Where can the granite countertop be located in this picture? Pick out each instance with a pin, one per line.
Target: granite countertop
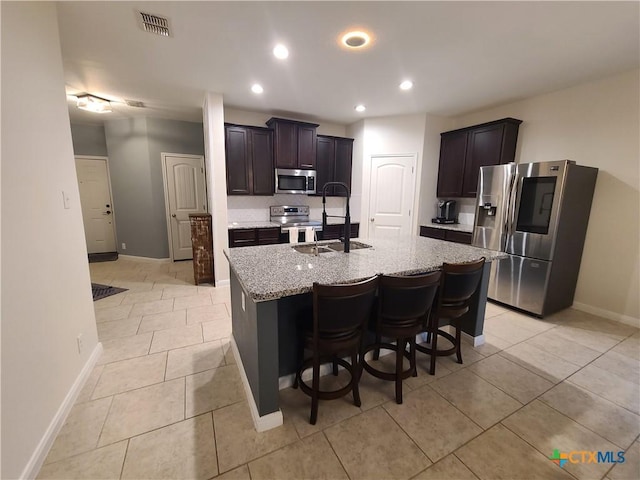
(458, 227)
(273, 271)
(266, 224)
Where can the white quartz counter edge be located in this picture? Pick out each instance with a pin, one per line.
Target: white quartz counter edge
(274, 271)
(457, 227)
(264, 224)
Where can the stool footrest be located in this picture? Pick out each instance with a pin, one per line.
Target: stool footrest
(379, 373)
(327, 394)
(440, 353)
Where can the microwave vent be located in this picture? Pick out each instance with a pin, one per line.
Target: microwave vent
(155, 24)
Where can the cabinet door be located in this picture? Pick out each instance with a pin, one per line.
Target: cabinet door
(245, 237)
(286, 145)
(453, 149)
(306, 147)
(344, 153)
(262, 155)
(458, 237)
(268, 236)
(325, 161)
(484, 148)
(237, 159)
(431, 232)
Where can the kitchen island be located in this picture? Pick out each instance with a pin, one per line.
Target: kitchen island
(271, 285)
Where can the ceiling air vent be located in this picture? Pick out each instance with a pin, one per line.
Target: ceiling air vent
(154, 24)
(134, 103)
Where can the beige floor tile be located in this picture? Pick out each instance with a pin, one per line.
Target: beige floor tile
(229, 358)
(123, 348)
(192, 301)
(508, 327)
(423, 363)
(492, 344)
(540, 362)
(371, 445)
(511, 378)
(195, 359)
(118, 328)
(102, 463)
(375, 391)
(446, 469)
(476, 398)
(149, 308)
(176, 291)
(216, 329)
(311, 457)
(163, 321)
(81, 430)
(90, 384)
(437, 427)
(494, 309)
(110, 314)
(595, 324)
(220, 294)
(136, 286)
(469, 356)
(605, 418)
(620, 365)
(296, 407)
(183, 450)
(564, 348)
(143, 410)
(238, 442)
(628, 470)
(240, 473)
(206, 313)
(213, 389)
(110, 301)
(547, 430)
(130, 374)
(594, 340)
(629, 347)
(619, 391)
(176, 338)
(500, 454)
(141, 297)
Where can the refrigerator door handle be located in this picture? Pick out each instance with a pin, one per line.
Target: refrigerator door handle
(509, 218)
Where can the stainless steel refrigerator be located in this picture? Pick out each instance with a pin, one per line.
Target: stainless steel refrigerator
(538, 214)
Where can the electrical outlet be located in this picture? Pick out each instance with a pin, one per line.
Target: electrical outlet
(66, 200)
(244, 306)
(80, 343)
(124, 246)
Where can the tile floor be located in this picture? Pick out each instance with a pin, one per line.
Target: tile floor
(166, 399)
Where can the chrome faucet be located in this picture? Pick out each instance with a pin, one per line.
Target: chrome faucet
(347, 216)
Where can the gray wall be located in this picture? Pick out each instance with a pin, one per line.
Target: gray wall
(88, 140)
(134, 149)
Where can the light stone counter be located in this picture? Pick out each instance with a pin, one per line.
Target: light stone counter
(274, 271)
(254, 224)
(456, 227)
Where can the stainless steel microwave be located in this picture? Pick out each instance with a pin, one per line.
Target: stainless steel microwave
(295, 181)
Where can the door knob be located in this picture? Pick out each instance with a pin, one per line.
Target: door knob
(173, 215)
(372, 219)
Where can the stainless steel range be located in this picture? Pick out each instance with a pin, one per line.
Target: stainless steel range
(292, 216)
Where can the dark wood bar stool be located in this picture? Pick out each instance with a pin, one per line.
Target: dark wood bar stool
(459, 282)
(403, 305)
(340, 315)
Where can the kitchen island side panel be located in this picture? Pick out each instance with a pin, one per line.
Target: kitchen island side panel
(257, 343)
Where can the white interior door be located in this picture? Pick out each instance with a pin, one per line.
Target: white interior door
(96, 204)
(185, 193)
(391, 195)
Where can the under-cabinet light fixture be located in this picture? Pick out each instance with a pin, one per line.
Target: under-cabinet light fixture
(94, 104)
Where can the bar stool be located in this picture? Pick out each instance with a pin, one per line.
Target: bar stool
(458, 285)
(340, 314)
(403, 305)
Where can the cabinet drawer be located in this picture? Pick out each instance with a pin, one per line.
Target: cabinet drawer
(458, 237)
(268, 236)
(431, 232)
(245, 237)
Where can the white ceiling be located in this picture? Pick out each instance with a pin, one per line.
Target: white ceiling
(461, 56)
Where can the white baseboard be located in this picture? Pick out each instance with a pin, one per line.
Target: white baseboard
(42, 450)
(616, 317)
(223, 283)
(144, 259)
(264, 422)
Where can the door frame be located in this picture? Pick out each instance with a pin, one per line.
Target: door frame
(163, 156)
(113, 210)
(412, 214)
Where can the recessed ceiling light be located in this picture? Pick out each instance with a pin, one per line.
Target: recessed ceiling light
(356, 39)
(257, 88)
(406, 85)
(360, 108)
(93, 104)
(280, 51)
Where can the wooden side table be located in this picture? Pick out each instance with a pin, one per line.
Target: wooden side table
(202, 243)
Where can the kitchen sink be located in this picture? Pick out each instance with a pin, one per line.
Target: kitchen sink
(339, 246)
(311, 249)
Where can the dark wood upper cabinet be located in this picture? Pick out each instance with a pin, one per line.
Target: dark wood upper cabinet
(294, 143)
(333, 163)
(464, 151)
(249, 159)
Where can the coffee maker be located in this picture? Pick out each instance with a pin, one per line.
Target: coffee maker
(446, 212)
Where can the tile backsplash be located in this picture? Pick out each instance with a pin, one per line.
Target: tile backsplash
(248, 208)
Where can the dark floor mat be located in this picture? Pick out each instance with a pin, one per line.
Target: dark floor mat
(103, 257)
(102, 291)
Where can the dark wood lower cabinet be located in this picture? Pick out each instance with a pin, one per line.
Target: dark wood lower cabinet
(448, 235)
(243, 237)
(268, 236)
(336, 231)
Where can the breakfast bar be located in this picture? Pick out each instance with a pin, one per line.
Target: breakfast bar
(272, 284)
